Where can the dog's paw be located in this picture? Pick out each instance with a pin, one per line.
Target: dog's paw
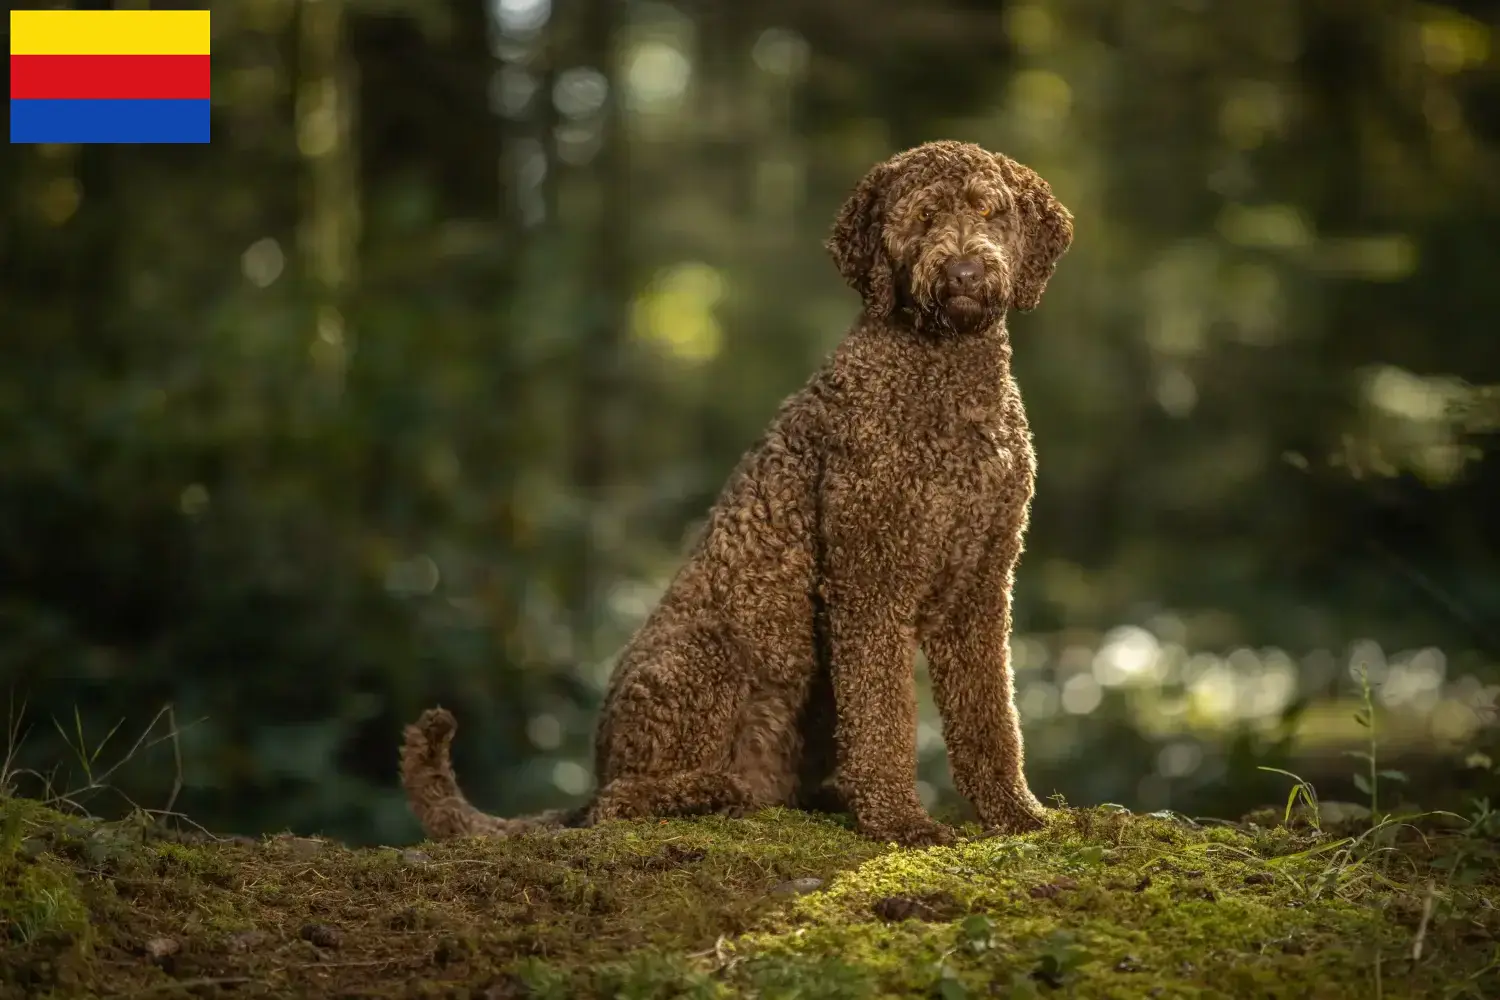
(735, 800)
(1023, 815)
(917, 831)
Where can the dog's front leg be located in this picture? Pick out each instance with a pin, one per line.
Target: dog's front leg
(968, 654)
(870, 591)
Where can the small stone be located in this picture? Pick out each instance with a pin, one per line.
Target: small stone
(299, 847)
(931, 907)
(1051, 889)
(797, 887)
(679, 855)
(450, 950)
(673, 856)
(895, 908)
(321, 935)
(243, 941)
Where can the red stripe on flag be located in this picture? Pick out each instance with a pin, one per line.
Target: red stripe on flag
(109, 77)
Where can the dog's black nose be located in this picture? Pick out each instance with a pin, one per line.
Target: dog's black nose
(964, 274)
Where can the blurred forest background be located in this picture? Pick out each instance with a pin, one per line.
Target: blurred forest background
(408, 388)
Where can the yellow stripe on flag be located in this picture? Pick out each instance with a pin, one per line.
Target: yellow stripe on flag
(109, 33)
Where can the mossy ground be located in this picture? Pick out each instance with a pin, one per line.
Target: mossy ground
(1101, 904)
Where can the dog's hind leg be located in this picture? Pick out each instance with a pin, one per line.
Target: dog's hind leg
(759, 769)
(689, 793)
(667, 732)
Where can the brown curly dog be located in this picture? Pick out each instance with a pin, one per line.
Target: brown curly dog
(884, 508)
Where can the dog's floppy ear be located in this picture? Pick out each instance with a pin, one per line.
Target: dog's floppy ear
(857, 242)
(1046, 227)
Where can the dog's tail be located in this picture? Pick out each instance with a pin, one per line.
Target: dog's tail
(434, 795)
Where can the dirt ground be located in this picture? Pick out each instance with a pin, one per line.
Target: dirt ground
(783, 905)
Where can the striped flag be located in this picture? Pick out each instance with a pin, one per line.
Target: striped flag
(109, 76)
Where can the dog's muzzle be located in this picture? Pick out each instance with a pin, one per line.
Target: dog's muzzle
(965, 291)
(964, 277)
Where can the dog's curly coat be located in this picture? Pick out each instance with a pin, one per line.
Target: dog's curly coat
(884, 507)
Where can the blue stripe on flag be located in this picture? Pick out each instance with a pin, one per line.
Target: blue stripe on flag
(110, 121)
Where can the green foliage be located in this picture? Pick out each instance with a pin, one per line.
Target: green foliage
(1302, 792)
(409, 386)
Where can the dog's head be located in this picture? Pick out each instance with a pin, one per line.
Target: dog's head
(953, 232)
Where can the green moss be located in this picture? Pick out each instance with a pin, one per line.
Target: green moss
(38, 894)
(1100, 904)
(40, 901)
(44, 922)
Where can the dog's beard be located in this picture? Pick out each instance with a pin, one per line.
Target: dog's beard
(942, 310)
(954, 314)
(965, 314)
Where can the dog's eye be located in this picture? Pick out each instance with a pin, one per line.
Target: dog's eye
(986, 210)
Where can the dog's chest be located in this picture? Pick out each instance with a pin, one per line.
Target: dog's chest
(985, 462)
(980, 486)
